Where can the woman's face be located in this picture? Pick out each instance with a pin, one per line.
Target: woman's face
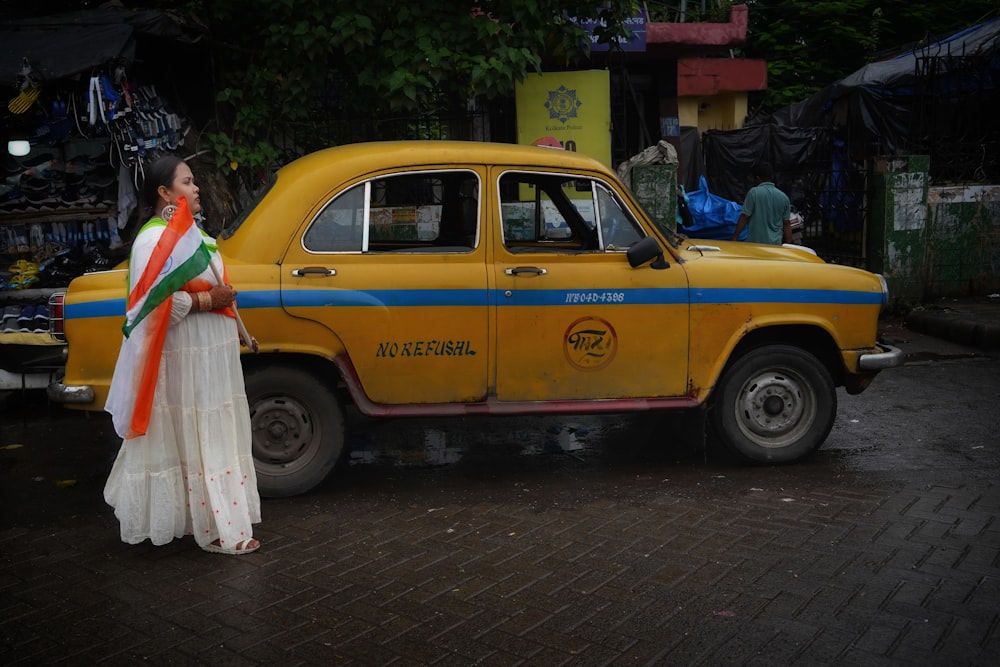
(183, 186)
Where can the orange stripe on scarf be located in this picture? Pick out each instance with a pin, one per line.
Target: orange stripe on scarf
(157, 322)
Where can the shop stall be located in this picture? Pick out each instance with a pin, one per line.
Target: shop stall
(85, 107)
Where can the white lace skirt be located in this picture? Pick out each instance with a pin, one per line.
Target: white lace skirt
(192, 473)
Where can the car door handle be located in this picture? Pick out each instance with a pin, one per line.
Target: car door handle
(314, 271)
(518, 270)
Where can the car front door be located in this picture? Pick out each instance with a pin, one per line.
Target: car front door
(574, 320)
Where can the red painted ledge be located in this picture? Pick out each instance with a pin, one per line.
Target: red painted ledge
(724, 35)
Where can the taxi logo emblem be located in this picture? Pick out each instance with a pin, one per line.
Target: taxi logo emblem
(590, 344)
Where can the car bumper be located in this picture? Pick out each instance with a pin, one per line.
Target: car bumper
(65, 393)
(889, 357)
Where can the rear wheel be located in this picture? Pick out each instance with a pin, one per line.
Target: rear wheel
(774, 405)
(298, 430)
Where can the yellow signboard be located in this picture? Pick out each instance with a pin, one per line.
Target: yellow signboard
(572, 107)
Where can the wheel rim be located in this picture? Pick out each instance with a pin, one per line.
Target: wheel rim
(775, 408)
(285, 437)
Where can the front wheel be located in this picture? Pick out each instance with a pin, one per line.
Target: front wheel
(298, 430)
(774, 405)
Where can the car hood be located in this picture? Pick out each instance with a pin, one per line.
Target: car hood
(696, 248)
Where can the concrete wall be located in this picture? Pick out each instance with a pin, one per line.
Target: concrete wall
(930, 240)
(724, 111)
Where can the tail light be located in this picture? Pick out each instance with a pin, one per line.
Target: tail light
(57, 316)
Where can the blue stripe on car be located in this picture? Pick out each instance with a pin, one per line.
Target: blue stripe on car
(760, 295)
(472, 298)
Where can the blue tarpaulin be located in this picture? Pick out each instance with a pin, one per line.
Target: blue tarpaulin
(713, 217)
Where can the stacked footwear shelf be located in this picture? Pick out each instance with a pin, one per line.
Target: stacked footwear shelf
(57, 221)
(29, 357)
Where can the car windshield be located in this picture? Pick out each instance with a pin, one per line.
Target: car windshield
(235, 224)
(673, 236)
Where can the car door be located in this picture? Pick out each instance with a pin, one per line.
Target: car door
(394, 268)
(574, 320)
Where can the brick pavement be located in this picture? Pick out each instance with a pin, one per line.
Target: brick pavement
(519, 571)
(593, 558)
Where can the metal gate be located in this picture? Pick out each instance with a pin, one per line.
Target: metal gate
(833, 201)
(825, 183)
(956, 98)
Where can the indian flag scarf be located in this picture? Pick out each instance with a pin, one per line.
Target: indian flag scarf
(179, 256)
(175, 263)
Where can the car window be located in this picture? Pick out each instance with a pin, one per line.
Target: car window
(562, 213)
(434, 212)
(618, 229)
(340, 227)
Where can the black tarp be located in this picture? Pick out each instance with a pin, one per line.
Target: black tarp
(877, 102)
(692, 163)
(64, 45)
(793, 152)
(900, 73)
(812, 144)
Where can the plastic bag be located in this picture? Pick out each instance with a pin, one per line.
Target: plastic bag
(712, 216)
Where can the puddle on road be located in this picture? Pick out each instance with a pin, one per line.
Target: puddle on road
(437, 447)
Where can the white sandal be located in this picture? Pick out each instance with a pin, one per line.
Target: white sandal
(242, 547)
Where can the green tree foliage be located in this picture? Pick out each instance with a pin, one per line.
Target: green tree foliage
(695, 11)
(282, 62)
(809, 45)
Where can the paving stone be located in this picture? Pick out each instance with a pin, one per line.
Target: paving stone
(595, 563)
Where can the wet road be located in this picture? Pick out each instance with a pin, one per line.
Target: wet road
(583, 540)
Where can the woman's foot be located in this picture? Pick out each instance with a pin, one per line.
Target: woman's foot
(242, 547)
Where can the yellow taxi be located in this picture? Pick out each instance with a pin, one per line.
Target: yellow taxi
(459, 278)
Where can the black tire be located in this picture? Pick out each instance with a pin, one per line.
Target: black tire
(298, 430)
(775, 404)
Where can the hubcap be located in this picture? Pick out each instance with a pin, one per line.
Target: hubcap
(774, 408)
(282, 431)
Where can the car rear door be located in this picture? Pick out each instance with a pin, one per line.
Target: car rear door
(393, 266)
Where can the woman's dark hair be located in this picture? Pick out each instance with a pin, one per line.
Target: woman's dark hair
(161, 172)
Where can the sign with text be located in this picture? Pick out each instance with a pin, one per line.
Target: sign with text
(572, 107)
(635, 42)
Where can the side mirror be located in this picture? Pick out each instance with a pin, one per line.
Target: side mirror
(647, 249)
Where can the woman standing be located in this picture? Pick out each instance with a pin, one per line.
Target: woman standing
(178, 398)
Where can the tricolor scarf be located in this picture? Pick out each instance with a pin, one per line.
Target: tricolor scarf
(178, 259)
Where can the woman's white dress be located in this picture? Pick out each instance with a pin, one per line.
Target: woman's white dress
(192, 472)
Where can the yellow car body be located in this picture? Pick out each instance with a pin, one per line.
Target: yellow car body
(439, 278)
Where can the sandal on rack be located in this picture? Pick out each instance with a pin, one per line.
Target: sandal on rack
(242, 547)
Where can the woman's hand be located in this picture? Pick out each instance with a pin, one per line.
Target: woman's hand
(222, 296)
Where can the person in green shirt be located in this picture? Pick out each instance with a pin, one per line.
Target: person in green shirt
(766, 209)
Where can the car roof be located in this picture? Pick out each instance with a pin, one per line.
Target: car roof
(303, 182)
(370, 156)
